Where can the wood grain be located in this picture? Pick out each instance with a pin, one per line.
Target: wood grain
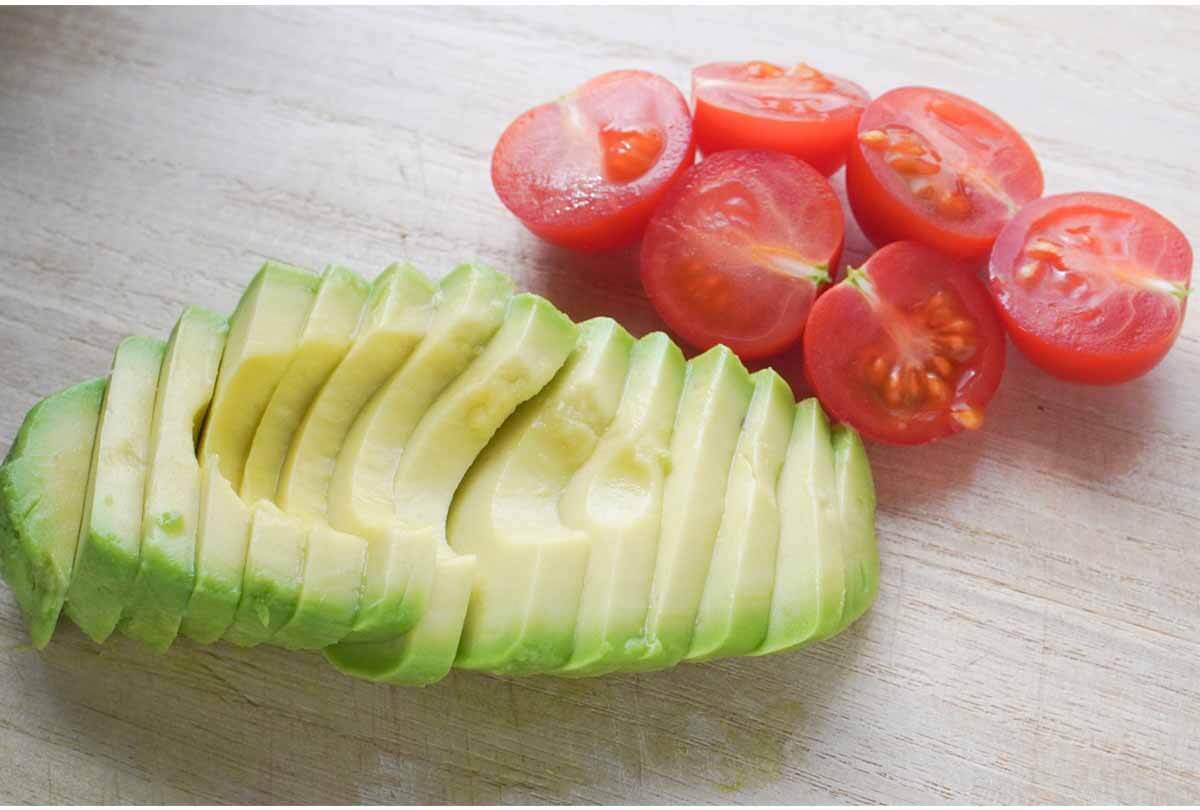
(1037, 634)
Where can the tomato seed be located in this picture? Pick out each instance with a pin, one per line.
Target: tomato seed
(968, 417)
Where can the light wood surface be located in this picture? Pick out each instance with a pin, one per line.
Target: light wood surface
(1037, 633)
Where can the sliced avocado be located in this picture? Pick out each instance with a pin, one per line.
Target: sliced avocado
(716, 395)
(529, 569)
(171, 506)
(806, 601)
(222, 533)
(616, 497)
(42, 486)
(263, 334)
(273, 576)
(469, 307)
(531, 345)
(856, 503)
(326, 337)
(393, 322)
(736, 605)
(110, 537)
(331, 590)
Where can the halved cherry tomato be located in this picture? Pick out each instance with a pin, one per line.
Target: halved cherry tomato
(585, 171)
(908, 348)
(1092, 287)
(757, 105)
(939, 169)
(737, 249)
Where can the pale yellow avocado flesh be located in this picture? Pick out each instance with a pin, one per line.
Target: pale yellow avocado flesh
(324, 340)
(264, 332)
(736, 605)
(530, 566)
(713, 406)
(616, 498)
(469, 307)
(110, 537)
(394, 321)
(531, 345)
(171, 506)
(808, 594)
(222, 533)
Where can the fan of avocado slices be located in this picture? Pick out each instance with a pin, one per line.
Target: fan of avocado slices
(412, 476)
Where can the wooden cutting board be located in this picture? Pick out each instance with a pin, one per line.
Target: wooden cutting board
(1037, 634)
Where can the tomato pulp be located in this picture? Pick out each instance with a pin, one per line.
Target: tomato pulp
(939, 169)
(1092, 287)
(908, 348)
(585, 171)
(738, 248)
(757, 105)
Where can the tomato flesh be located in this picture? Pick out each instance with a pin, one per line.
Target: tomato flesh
(585, 172)
(908, 348)
(1092, 287)
(757, 105)
(738, 248)
(937, 168)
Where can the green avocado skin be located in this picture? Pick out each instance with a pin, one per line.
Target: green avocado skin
(42, 487)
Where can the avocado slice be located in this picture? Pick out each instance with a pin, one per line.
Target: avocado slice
(263, 334)
(716, 395)
(529, 569)
(110, 537)
(856, 503)
(330, 593)
(616, 498)
(273, 575)
(469, 307)
(531, 345)
(42, 486)
(222, 533)
(171, 506)
(393, 322)
(326, 337)
(736, 605)
(809, 590)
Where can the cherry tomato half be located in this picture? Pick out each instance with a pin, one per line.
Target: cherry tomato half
(585, 171)
(1092, 287)
(908, 348)
(939, 169)
(737, 249)
(757, 105)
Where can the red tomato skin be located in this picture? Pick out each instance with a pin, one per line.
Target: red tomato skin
(841, 316)
(1083, 364)
(885, 217)
(584, 229)
(675, 314)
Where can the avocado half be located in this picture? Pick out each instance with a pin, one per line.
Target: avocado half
(412, 476)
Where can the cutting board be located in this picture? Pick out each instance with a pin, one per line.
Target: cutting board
(1037, 633)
